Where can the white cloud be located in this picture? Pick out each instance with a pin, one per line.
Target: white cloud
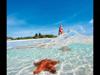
(91, 21)
(82, 29)
(21, 33)
(11, 20)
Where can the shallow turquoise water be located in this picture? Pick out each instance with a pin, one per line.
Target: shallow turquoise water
(77, 61)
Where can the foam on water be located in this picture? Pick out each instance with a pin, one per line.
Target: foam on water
(78, 60)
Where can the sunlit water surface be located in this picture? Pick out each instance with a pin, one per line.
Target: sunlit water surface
(76, 61)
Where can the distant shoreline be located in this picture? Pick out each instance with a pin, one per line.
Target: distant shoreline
(36, 36)
(69, 40)
(27, 39)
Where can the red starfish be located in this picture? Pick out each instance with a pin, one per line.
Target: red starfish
(45, 65)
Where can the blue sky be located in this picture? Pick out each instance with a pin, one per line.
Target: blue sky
(27, 17)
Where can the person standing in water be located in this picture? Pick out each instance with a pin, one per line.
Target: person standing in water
(60, 30)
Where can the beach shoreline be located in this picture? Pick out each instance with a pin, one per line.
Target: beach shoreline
(58, 41)
(27, 40)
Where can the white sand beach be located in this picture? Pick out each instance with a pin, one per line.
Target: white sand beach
(59, 41)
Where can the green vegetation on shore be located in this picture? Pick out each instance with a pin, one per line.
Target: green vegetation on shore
(36, 36)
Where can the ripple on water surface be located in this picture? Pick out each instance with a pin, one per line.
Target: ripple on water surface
(77, 61)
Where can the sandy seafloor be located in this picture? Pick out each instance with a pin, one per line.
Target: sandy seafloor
(75, 54)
